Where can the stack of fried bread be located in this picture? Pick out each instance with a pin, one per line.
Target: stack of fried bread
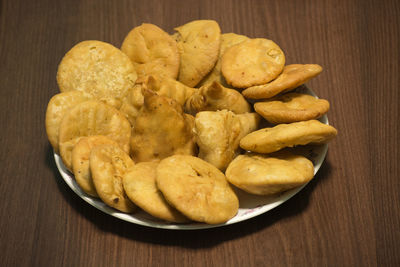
(171, 124)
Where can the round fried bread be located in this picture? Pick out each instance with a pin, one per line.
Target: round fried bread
(92, 118)
(140, 186)
(56, 109)
(97, 68)
(253, 62)
(269, 140)
(80, 161)
(108, 164)
(292, 107)
(198, 44)
(197, 189)
(152, 51)
(227, 40)
(269, 174)
(291, 77)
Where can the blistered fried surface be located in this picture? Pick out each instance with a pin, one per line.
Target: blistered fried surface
(291, 77)
(152, 51)
(108, 164)
(161, 130)
(252, 62)
(56, 108)
(198, 44)
(218, 135)
(80, 161)
(272, 139)
(197, 189)
(269, 174)
(97, 68)
(92, 118)
(227, 40)
(292, 107)
(213, 97)
(140, 186)
(171, 88)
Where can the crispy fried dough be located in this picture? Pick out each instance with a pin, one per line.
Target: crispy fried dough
(56, 108)
(269, 174)
(92, 118)
(140, 186)
(134, 100)
(227, 40)
(252, 62)
(197, 189)
(161, 129)
(152, 51)
(198, 44)
(269, 140)
(80, 161)
(291, 77)
(97, 68)
(292, 107)
(108, 164)
(218, 134)
(213, 96)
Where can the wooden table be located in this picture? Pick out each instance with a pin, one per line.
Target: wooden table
(347, 216)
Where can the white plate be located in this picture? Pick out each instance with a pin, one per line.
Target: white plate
(250, 205)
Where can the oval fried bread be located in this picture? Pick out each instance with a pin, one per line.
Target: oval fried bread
(92, 118)
(97, 68)
(152, 51)
(108, 164)
(80, 161)
(252, 62)
(292, 107)
(291, 77)
(272, 139)
(227, 40)
(56, 108)
(269, 174)
(198, 44)
(197, 189)
(140, 186)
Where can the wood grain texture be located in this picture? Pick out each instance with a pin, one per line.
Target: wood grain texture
(349, 215)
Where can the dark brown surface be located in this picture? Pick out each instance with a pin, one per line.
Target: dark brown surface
(347, 216)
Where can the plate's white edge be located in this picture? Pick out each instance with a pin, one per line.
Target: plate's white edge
(68, 178)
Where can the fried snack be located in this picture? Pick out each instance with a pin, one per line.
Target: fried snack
(92, 118)
(108, 164)
(152, 51)
(132, 103)
(253, 62)
(140, 186)
(269, 174)
(227, 40)
(66, 148)
(269, 140)
(80, 161)
(170, 88)
(291, 77)
(197, 189)
(218, 134)
(198, 44)
(161, 129)
(56, 108)
(292, 107)
(97, 68)
(213, 97)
